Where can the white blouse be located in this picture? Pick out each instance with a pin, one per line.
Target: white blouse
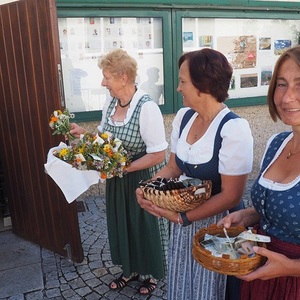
(270, 184)
(236, 153)
(152, 127)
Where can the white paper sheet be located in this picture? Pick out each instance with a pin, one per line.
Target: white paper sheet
(71, 181)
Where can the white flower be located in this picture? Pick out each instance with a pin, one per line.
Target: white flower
(98, 140)
(118, 144)
(80, 157)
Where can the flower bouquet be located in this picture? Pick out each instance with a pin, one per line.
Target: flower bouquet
(101, 152)
(60, 123)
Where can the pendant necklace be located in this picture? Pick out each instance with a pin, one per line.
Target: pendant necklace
(119, 102)
(290, 151)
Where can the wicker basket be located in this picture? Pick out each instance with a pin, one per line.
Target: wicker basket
(179, 200)
(224, 265)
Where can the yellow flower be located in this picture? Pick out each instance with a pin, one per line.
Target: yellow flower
(81, 150)
(63, 152)
(106, 148)
(104, 135)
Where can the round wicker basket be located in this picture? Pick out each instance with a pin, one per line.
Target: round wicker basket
(224, 265)
(179, 200)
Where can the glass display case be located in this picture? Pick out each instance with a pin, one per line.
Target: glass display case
(84, 40)
(250, 35)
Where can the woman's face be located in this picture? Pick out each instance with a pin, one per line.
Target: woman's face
(185, 85)
(287, 93)
(112, 83)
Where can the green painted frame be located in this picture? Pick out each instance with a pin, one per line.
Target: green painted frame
(180, 3)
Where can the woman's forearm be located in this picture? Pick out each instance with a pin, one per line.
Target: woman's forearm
(147, 161)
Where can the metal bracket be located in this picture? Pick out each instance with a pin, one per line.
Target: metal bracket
(69, 251)
(61, 86)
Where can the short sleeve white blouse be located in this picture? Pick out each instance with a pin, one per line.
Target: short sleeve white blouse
(151, 122)
(236, 153)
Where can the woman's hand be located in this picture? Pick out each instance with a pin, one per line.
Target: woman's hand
(76, 130)
(244, 217)
(154, 209)
(144, 203)
(231, 220)
(277, 265)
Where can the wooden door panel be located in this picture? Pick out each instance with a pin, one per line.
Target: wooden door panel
(29, 93)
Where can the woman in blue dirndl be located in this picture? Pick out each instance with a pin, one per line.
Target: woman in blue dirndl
(208, 142)
(276, 193)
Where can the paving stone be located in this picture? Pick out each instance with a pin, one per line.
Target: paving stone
(52, 284)
(83, 291)
(17, 297)
(51, 293)
(34, 296)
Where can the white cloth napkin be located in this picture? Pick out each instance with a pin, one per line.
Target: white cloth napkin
(71, 181)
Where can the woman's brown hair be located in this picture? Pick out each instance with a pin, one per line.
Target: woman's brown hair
(292, 53)
(210, 72)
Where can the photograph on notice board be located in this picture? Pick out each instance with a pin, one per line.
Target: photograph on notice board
(249, 80)
(264, 43)
(188, 39)
(281, 45)
(266, 74)
(239, 50)
(232, 83)
(206, 41)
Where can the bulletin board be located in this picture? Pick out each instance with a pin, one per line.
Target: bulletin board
(252, 47)
(84, 39)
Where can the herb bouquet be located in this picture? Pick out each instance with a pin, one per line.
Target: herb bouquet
(60, 123)
(101, 152)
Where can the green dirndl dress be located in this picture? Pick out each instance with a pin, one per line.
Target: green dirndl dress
(138, 241)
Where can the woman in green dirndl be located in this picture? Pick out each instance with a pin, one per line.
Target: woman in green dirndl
(138, 240)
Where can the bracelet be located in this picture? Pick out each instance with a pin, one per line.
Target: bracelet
(178, 219)
(185, 220)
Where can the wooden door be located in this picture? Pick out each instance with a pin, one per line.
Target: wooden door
(29, 93)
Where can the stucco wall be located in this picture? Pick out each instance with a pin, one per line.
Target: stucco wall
(261, 124)
(262, 127)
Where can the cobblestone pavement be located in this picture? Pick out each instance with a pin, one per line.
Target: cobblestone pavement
(89, 280)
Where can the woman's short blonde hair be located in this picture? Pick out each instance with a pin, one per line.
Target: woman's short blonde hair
(118, 62)
(292, 53)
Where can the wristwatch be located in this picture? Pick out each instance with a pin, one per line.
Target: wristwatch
(125, 172)
(185, 220)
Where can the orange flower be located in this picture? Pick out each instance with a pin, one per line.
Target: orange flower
(53, 119)
(103, 176)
